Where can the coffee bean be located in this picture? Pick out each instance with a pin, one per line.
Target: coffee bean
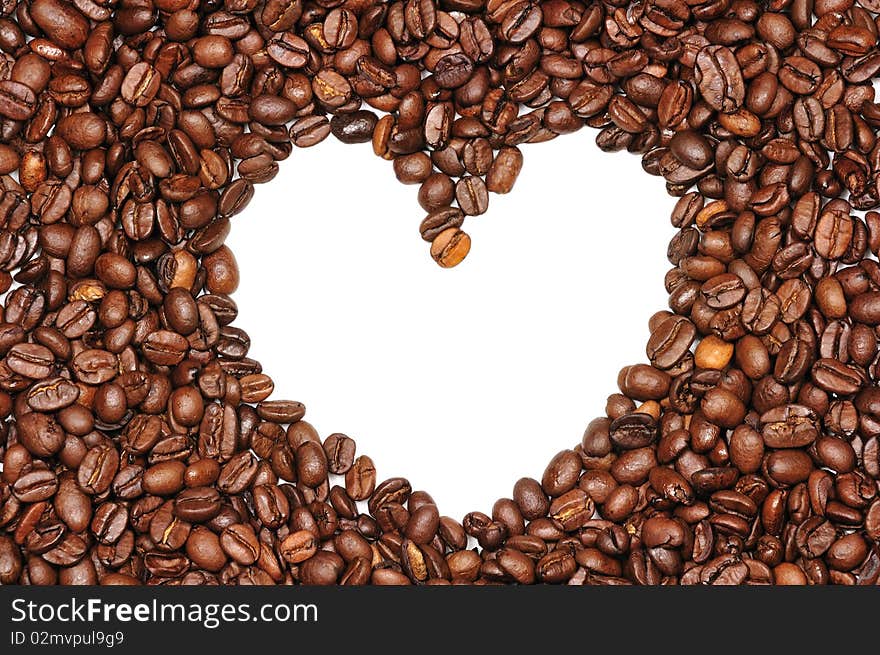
(311, 464)
(167, 531)
(324, 568)
(197, 504)
(723, 407)
(561, 474)
(472, 195)
(95, 366)
(83, 130)
(109, 522)
(240, 543)
(504, 170)
(271, 110)
(633, 430)
(52, 394)
(281, 411)
(35, 485)
(238, 473)
(439, 221)
(719, 78)
(203, 548)
(299, 546)
(788, 466)
(40, 434)
(30, 360)
(288, 50)
(17, 101)
(671, 341)
(836, 377)
(723, 291)
(97, 469)
(141, 84)
(164, 478)
(453, 70)
(865, 308)
(164, 347)
(799, 75)
(61, 22)
(450, 247)
(354, 127)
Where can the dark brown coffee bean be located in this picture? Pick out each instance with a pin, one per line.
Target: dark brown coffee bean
(17, 101)
(271, 110)
(288, 50)
(61, 22)
(634, 430)
(95, 366)
(670, 342)
(97, 469)
(299, 546)
(167, 531)
(788, 467)
(723, 291)
(340, 452)
(561, 474)
(309, 131)
(35, 485)
(40, 434)
(197, 504)
(52, 395)
(141, 84)
(453, 70)
(504, 170)
(472, 195)
(719, 78)
(354, 127)
(836, 377)
(165, 347)
(439, 221)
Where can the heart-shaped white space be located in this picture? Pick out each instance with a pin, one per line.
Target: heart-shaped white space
(461, 380)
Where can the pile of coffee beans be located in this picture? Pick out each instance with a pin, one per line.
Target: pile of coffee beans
(140, 443)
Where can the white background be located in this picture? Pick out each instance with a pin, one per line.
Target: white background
(461, 380)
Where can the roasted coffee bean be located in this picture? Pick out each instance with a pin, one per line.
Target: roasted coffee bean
(440, 220)
(354, 127)
(723, 291)
(791, 426)
(472, 195)
(450, 247)
(453, 70)
(35, 485)
(719, 78)
(51, 395)
(309, 131)
(288, 50)
(299, 546)
(197, 504)
(634, 430)
(40, 434)
(203, 549)
(670, 342)
(61, 22)
(340, 453)
(17, 101)
(97, 469)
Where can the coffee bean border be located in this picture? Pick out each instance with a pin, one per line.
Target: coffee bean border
(140, 444)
